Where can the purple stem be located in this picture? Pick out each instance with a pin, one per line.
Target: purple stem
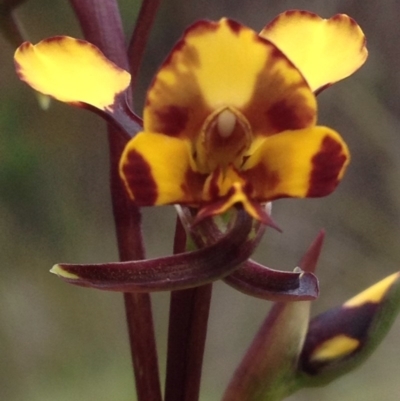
(101, 24)
(189, 310)
(137, 305)
(11, 27)
(140, 36)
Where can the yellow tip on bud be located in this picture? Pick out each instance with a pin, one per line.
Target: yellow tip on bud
(373, 294)
(59, 271)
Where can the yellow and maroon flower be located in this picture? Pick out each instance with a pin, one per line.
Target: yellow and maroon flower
(229, 118)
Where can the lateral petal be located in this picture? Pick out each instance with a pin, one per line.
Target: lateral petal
(298, 164)
(324, 50)
(224, 63)
(72, 71)
(156, 171)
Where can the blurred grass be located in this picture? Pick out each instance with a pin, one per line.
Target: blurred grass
(61, 342)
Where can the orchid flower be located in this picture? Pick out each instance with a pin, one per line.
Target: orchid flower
(231, 115)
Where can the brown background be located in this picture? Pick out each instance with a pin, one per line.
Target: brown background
(59, 342)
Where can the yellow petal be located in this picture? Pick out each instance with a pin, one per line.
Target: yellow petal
(225, 64)
(156, 171)
(303, 163)
(373, 294)
(71, 70)
(324, 50)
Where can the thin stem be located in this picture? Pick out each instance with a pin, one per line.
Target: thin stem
(189, 311)
(126, 215)
(142, 345)
(11, 28)
(137, 306)
(140, 36)
(101, 24)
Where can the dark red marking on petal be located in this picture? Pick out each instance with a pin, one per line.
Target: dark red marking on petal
(234, 26)
(214, 187)
(327, 164)
(172, 120)
(352, 23)
(61, 38)
(24, 45)
(84, 43)
(193, 186)
(140, 181)
(18, 68)
(322, 88)
(302, 12)
(277, 105)
(202, 26)
(289, 13)
(197, 28)
(178, 46)
(258, 178)
(284, 116)
(191, 54)
(276, 53)
(339, 17)
(212, 208)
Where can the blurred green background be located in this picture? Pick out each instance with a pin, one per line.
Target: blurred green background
(59, 342)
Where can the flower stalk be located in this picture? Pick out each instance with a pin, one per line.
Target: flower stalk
(140, 36)
(189, 311)
(101, 24)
